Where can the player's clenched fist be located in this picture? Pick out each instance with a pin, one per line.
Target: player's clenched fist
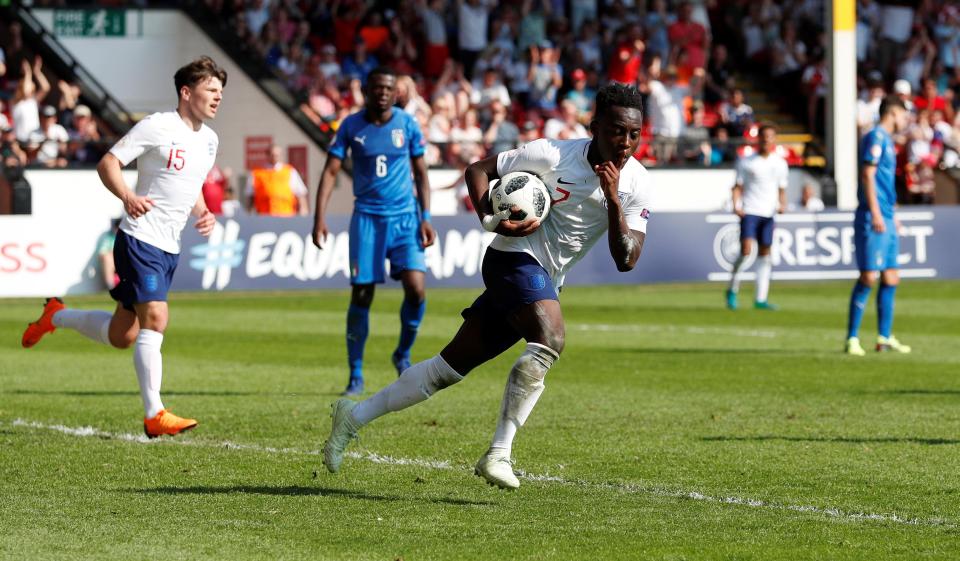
(427, 234)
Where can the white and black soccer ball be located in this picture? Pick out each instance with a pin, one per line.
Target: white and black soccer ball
(523, 190)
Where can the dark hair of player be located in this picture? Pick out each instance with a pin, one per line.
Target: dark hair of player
(766, 126)
(198, 71)
(381, 71)
(889, 103)
(616, 94)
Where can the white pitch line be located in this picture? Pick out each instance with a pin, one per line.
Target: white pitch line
(659, 328)
(631, 488)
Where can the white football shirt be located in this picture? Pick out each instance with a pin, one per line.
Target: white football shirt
(578, 216)
(172, 162)
(762, 178)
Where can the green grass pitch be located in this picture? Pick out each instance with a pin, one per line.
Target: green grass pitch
(670, 428)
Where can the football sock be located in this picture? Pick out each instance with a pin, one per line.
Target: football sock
(416, 384)
(524, 386)
(358, 326)
(735, 275)
(411, 313)
(885, 308)
(92, 324)
(858, 302)
(764, 270)
(149, 366)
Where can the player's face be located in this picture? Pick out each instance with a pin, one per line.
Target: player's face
(203, 99)
(900, 118)
(381, 92)
(617, 134)
(767, 140)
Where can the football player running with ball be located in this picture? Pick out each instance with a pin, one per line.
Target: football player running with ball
(174, 152)
(598, 188)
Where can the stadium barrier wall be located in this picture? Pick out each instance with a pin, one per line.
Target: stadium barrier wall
(53, 251)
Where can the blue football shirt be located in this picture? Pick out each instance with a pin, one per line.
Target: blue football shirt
(382, 170)
(877, 149)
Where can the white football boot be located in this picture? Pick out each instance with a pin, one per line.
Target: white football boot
(343, 430)
(497, 469)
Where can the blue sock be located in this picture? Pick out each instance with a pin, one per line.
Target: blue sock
(858, 303)
(410, 315)
(358, 326)
(885, 308)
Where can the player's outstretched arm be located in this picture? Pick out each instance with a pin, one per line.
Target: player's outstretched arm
(625, 244)
(478, 176)
(111, 175)
(422, 180)
(328, 178)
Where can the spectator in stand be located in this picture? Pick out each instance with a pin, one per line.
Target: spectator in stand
(85, 146)
(918, 57)
(437, 52)
(581, 96)
(754, 35)
(666, 112)
(947, 33)
(736, 115)
(868, 29)
(11, 154)
(533, 23)
(440, 125)
(903, 90)
(277, 189)
(467, 138)
(690, 36)
(346, 21)
(657, 23)
(719, 77)
(399, 50)
(453, 84)
(930, 99)
(502, 134)
(815, 80)
(472, 21)
(694, 142)
(409, 98)
(868, 108)
(373, 32)
(360, 63)
(69, 98)
(328, 67)
(809, 201)
(488, 89)
(721, 149)
(26, 100)
(4, 121)
(323, 99)
(50, 140)
(545, 76)
(566, 125)
(257, 16)
(215, 188)
(896, 23)
(627, 61)
(589, 49)
(529, 132)
(582, 11)
(518, 77)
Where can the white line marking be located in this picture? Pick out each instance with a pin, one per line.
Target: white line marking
(805, 217)
(631, 488)
(659, 328)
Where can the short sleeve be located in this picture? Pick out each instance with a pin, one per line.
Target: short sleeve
(636, 207)
(417, 143)
(339, 147)
(142, 137)
(538, 157)
(872, 148)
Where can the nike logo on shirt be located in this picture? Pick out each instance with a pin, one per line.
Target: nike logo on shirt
(562, 182)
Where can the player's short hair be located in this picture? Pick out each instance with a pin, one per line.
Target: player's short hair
(198, 71)
(616, 94)
(889, 102)
(765, 126)
(381, 71)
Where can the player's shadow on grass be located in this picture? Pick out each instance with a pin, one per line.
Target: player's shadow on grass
(299, 490)
(837, 439)
(919, 392)
(128, 393)
(700, 351)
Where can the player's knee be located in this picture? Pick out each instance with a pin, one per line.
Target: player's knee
(868, 278)
(891, 278)
(555, 340)
(123, 340)
(763, 251)
(362, 296)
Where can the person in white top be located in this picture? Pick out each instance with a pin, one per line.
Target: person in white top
(174, 153)
(759, 193)
(599, 191)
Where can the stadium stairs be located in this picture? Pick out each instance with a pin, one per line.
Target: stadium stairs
(58, 61)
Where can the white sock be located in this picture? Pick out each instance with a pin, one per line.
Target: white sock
(524, 386)
(416, 384)
(149, 365)
(92, 324)
(764, 270)
(735, 275)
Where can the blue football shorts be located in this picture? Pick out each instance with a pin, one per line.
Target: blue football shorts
(375, 238)
(145, 271)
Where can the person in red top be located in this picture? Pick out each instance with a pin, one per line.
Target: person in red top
(214, 188)
(931, 100)
(686, 34)
(627, 60)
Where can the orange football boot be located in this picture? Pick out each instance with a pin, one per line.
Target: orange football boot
(36, 330)
(166, 423)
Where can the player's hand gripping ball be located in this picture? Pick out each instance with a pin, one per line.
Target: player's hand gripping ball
(524, 191)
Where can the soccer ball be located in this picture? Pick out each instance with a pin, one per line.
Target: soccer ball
(523, 190)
